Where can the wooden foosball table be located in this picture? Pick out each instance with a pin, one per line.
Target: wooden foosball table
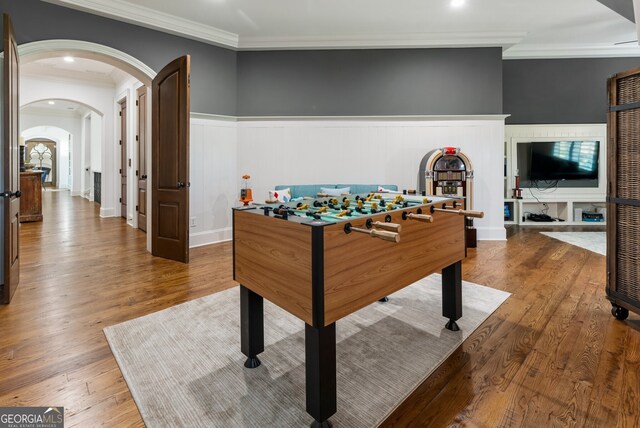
(325, 258)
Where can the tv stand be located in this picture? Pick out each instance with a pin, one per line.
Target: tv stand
(560, 212)
(560, 202)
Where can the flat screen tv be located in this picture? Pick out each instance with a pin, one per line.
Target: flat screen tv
(564, 160)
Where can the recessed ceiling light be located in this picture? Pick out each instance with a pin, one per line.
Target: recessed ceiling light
(70, 58)
(51, 102)
(457, 3)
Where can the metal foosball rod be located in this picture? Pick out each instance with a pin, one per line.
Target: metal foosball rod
(374, 233)
(379, 205)
(321, 215)
(324, 210)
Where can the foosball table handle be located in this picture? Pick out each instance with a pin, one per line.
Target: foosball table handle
(466, 213)
(392, 227)
(385, 235)
(420, 217)
(374, 233)
(472, 213)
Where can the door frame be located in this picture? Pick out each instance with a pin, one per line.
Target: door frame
(146, 115)
(123, 137)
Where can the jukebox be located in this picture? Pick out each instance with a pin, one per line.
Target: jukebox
(448, 172)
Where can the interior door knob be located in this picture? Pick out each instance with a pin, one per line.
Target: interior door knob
(10, 194)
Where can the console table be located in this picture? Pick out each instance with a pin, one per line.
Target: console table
(31, 198)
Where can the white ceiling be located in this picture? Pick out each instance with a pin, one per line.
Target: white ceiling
(523, 28)
(83, 69)
(58, 108)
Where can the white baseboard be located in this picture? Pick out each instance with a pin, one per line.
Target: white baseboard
(75, 193)
(107, 212)
(210, 237)
(492, 234)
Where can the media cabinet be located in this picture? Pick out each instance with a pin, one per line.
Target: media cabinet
(564, 210)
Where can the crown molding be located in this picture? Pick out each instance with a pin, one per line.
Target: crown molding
(509, 41)
(570, 51)
(149, 18)
(391, 41)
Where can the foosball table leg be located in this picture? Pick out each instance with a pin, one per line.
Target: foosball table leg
(452, 294)
(251, 326)
(320, 366)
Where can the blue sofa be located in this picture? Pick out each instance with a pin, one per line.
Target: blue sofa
(311, 190)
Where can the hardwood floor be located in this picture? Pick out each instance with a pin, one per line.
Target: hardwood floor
(551, 355)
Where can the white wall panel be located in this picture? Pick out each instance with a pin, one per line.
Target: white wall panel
(214, 179)
(372, 151)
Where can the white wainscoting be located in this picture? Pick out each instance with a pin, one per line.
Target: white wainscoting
(214, 178)
(385, 150)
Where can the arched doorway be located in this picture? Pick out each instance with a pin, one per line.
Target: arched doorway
(111, 161)
(64, 123)
(61, 47)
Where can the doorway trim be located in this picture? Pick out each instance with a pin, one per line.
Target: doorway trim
(34, 51)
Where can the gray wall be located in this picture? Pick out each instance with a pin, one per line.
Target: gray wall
(347, 82)
(213, 69)
(370, 82)
(538, 91)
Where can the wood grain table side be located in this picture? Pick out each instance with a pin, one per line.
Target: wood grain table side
(273, 259)
(360, 270)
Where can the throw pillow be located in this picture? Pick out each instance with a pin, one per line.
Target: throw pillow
(282, 195)
(383, 190)
(335, 192)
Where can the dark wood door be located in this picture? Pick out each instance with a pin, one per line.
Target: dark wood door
(11, 167)
(141, 140)
(170, 159)
(123, 158)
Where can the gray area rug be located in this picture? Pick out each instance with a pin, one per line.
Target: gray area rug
(184, 367)
(592, 241)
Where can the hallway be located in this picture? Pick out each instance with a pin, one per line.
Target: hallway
(80, 273)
